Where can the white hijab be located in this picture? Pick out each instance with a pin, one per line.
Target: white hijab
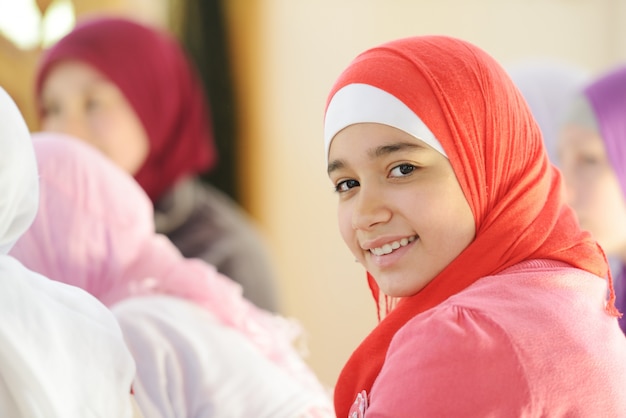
(62, 353)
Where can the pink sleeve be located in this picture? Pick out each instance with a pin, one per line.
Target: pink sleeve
(452, 363)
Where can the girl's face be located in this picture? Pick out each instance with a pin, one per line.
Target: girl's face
(79, 101)
(592, 187)
(402, 212)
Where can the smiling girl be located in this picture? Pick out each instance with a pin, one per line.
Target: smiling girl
(447, 198)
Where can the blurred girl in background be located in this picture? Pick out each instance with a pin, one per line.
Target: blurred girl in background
(592, 157)
(130, 91)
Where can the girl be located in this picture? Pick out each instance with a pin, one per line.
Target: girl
(447, 198)
(130, 91)
(592, 156)
(201, 349)
(61, 352)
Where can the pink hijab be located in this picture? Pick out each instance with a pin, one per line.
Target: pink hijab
(155, 76)
(95, 230)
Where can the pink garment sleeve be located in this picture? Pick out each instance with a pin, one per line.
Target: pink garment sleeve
(456, 363)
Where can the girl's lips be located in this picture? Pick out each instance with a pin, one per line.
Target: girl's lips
(392, 246)
(386, 260)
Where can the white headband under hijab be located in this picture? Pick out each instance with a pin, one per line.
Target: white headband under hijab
(362, 103)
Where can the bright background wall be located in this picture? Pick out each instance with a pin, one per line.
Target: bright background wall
(286, 55)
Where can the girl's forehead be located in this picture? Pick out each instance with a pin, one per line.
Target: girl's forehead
(75, 69)
(575, 136)
(580, 113)
(375, 139)
(369, 143)
(72, 77)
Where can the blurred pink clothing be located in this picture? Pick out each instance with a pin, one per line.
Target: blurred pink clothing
(95, 230)
(531, 341)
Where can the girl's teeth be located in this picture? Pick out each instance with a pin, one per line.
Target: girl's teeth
(389, 248)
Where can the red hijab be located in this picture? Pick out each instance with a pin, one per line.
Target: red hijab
(496, 150)
(152, 71)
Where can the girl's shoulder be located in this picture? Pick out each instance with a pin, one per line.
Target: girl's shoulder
(451, 361)
(542, 284)
(521, 302)
(485, 351)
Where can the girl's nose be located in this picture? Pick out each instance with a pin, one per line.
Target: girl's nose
(370, 209)
(568, 193)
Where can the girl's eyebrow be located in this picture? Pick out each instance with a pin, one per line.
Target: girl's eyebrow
(391, 148)
(335, 165)
(98, 84)
(379, 152)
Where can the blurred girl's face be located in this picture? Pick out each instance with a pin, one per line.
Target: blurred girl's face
(79, 101)
(402, 211)
(592, 187)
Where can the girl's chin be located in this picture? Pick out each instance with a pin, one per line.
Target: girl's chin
(390, 286)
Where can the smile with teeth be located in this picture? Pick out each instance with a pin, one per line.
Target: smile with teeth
(392, 246)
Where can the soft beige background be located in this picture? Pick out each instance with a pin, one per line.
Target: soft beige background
(286, 55)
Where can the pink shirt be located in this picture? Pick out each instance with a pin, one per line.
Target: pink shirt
(531, 341)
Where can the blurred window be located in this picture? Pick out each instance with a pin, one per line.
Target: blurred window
(26, 25)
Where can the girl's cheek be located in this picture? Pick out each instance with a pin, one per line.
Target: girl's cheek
(345, 224)
(97, 123)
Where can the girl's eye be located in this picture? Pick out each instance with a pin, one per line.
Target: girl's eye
(346, 185)
(588, 160)
(92, 104)
(402, 170)
(50, 110)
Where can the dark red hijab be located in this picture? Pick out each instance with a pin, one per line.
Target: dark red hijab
(156, 77)
(497, 153)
